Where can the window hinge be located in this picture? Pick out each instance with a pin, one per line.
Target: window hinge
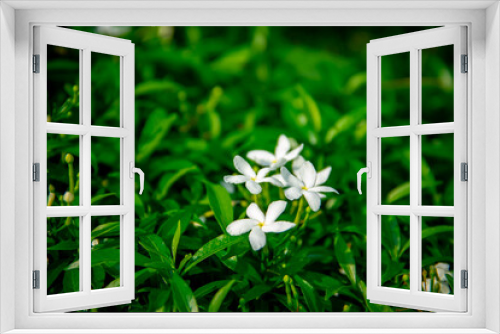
(464, 171)
(36, 172)
(465, 64)
(36, 279)
(465, 279)
(36, 63)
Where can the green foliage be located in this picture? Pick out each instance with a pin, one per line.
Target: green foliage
(206, 94)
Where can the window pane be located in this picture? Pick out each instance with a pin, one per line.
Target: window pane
(437, 254)
(105, 80)
(63, 169)
(437, 84)
(63, 248)
(437, 169)
(395, 170)
(105, 156)
(395, 94)
(63, 82)
(395, 251)
(105, 252)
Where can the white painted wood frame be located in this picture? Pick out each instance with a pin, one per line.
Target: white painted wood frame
(17, 19)
(86, 43)
(413, 43)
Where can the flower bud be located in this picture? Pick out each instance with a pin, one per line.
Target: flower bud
(69, 158)
(68, 197)
(286, 279)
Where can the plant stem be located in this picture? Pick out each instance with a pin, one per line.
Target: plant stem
(282, 193)
(306, 219)
(299, 210)
(266, 193)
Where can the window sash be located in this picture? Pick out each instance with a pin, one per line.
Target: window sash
(413, 43)
(86, 297)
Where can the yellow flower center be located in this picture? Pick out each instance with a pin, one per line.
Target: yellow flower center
(274, 161)
(254, 178)
(305, 188)
(260, 225)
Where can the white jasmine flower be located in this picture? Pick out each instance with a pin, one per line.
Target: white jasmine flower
(307, 183)
(259, 224)
(297, 164)
(249, 177)
(281, 156)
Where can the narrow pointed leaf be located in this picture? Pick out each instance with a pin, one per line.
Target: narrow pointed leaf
(219, 297)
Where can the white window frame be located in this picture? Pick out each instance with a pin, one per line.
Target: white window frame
(413, 44)
(483, 21)
(86, 44)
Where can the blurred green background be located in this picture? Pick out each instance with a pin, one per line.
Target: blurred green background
(206, 94)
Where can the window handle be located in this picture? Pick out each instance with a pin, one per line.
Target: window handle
(134, 170)
(368, 171)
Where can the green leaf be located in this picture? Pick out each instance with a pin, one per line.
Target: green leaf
(391, 236)
(156, 87)
(220, 203)
(427, 232)
(256, 292)
(157, 249)
(312, 108)
(169, 179)
(213, 247)
(183, 295)
(106, 230)
(312, 299)
(175, 240)
(107, 256)
(64, 245)
(209, 288)
(98, 198)
(345, 258)
(71, 281)
(398, 192)
(219, 297)
(97, 277)
(322, 281)
(157, 126)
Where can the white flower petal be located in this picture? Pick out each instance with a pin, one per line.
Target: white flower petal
(294, 153)
(283, 147)
(323, 189)
(297, 164)
(290, 179)
(241, 226)
(243, 167)
(261, 174)
(313, 200)
(257, 238)
(228, 186)
(279, 163)
(253, 187)
(275, 180)
(322, 176)
(263, 158)
(293, 193)
(274, 210)
(308, 174)
(321, 195)
(236, 179)
(278, 227)
(254, 212)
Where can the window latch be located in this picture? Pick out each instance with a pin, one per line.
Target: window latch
(368, 171)
(134, 170)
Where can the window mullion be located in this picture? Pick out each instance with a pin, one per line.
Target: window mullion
(85, 177)
(414, 170)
